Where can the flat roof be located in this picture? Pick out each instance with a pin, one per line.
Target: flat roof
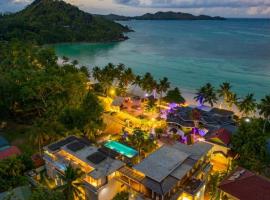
(101, 169)
(161, 163)
(175, 160)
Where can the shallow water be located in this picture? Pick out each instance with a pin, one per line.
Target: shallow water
(190, 53)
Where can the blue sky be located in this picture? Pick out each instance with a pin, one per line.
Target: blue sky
(226, 8)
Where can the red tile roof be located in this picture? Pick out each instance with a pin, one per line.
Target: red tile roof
(13, 150)
(37, 160)
(222, 134)
(248, 186)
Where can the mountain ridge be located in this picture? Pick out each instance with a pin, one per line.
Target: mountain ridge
(169, 15)
(55, 21)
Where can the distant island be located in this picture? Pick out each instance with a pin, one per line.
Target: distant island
(49, 21)
(162, 16)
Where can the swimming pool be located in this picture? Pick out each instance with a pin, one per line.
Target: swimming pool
(121, 148)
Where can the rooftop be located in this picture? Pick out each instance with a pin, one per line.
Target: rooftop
(220, 136)
(174, 160)
(162, 162)
(103, 165)
(10, 151)
(244, 184)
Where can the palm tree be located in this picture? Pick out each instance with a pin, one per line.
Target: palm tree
(65, 59)
(264, 109)
(148, 83)
(206, 94)
(138, 139)
(126, 78)
(73, 185)
(137, 81)
(231, 100)
(224, 91)
(247, 105)
(96, 73)
(39, 135)
(162, 87)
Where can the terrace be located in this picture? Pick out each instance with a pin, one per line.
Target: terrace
(73, 151)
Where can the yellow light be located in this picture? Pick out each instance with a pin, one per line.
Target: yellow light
(112, 92)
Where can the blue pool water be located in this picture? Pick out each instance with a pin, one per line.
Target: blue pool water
(122, 149)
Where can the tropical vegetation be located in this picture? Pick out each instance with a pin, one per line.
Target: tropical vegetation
(47, 98)
(73, 187)
(250, 142)
(49, 21)
(43, 193)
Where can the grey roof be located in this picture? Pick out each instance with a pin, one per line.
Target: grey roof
(196, 150)
(161, 188)
(174, 160)
(222, 112)
(161, 163)
(102, 169)
(183, 169)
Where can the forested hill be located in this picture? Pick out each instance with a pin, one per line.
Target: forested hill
(55, 21)
(164, 16)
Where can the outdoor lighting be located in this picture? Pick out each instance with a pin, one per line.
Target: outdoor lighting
(146, 95)
(112, 91)
(201, 139)
(247, 120)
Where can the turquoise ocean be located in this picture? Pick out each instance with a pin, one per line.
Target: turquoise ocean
(189, 53)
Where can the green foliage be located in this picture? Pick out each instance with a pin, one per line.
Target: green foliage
(212, 184)
(49, 98)
(151, 105)
(111, 74)
(86, 118)
(247, 105)
(207, 94)
(73, 186)
(11, 173)
(121, 196)
(250, 143)
(148, 83)
(163, 86)
(141, 141)
(264, 110)
(42, 193)
(174, 96)
(264, 107)
(49, 21)
(32, 85)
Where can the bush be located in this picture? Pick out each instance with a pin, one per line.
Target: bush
(121, 196)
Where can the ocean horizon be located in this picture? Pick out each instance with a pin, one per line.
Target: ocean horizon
(189, 53)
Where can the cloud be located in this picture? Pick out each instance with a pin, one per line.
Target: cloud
(196, 3)
(12, 5)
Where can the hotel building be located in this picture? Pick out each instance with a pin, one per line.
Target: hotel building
(175, 172)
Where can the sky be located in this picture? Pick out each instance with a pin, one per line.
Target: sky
(225, 8)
